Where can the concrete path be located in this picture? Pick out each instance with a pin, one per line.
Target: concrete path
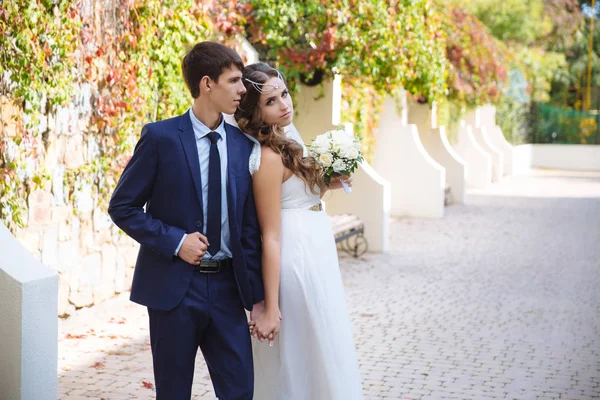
(500, 299)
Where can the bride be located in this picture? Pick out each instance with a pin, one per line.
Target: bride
(305, 319)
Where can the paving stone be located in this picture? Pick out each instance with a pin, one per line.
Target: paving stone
(497, 300)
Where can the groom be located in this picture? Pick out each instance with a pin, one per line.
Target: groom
(186, 197)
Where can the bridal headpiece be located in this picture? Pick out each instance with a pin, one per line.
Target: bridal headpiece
(266, 88)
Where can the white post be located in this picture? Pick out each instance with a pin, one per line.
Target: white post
(522, 159)
(479, 162)
(496, 137)
(499, 141)
(317, 111)
(481, 136)
(437, 145)
(417, 179)
(29, 327)
(370, 201)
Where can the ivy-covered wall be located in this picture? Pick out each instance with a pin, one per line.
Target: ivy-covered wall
(77, 82)
(78, 79)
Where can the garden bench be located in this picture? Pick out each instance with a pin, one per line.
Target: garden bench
(348, 231)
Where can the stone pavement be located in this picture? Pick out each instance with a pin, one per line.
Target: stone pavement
(500, 299)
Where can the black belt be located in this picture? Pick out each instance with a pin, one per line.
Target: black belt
(214, 266)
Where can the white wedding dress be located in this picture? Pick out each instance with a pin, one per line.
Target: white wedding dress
(313, 357)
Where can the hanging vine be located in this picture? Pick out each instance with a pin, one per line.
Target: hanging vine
(38, 45)
(127, 53)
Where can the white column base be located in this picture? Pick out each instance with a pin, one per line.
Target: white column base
(370, 201)
(481, 135)
(499, 142)
(479, 162)
(29, 327)
(417, 180)
(437, 145)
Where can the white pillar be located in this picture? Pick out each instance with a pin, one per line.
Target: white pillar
(29, 327)
(417, 179)
(479, 162)
(499, 141)
(436, 144)
(477, 119)
(496, 137)
(370, 201)
(522, 159)
(482, 138)
(317, 111)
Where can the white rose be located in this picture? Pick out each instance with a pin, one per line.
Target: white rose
(341, 140)
(351, 153)
(339, 165)
(325, 159)
(340, 136)
(322, 150)
(321, 141)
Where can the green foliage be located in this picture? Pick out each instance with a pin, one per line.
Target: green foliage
(38, 40)
(550, 24)
(478, 60)
(558, 125)
(539, 68)
(521, 21)
(167, 37)
(132, 63)
(376, 46)
(386, 44)
(37, 44)
(512, 117)
(570, 83)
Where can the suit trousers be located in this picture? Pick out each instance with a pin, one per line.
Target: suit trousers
(210, 317)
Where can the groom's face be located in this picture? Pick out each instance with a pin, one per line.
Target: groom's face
(227, 91)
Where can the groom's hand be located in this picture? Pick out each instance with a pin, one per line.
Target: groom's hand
(257, 310)
(193, 248)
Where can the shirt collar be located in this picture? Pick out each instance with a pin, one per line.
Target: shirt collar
(201, 130)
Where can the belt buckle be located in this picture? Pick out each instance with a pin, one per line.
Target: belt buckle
(209, 266)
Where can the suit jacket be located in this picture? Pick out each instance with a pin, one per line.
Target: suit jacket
(164, 176)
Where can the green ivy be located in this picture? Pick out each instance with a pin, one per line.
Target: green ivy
(377, 47)
(47, 50)
(38, 43)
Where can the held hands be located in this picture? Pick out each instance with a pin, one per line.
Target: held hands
(264, 323)
(193, 248)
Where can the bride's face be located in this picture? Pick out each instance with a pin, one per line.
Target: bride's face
(276, 107)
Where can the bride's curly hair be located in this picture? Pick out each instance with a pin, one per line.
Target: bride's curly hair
(249, 118)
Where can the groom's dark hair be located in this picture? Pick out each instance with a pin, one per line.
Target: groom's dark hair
(207, 59)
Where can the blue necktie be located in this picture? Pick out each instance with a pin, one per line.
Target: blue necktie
(213, 220)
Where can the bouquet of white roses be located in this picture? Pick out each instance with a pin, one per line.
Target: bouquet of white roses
(338, 153)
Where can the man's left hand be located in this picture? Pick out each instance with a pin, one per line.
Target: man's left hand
(257, 310)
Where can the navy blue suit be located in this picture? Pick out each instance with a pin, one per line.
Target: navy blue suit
(187, 308)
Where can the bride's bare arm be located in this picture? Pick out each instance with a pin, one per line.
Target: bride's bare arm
(336, 183)
(266, 184)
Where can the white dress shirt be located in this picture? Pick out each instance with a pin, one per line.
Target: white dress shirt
(201, 132)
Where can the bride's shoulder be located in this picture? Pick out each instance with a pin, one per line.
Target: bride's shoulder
(268, 154)
(270, 159)
(271, 164)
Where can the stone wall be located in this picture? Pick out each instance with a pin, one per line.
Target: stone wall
(93, 258)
